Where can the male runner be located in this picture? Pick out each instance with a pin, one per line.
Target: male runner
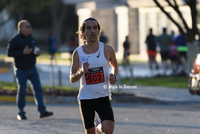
(90, 65)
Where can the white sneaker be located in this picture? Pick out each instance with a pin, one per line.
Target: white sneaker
(96, 123)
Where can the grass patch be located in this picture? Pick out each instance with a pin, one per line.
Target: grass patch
(13, 86)
(44, 56)
(7, 85)
(177, 82)
(45, 88)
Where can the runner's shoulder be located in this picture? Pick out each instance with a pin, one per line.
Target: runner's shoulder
(108, 48)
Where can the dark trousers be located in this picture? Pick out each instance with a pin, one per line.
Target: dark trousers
(22, 76)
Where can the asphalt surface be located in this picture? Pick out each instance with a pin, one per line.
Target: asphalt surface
(131, 118)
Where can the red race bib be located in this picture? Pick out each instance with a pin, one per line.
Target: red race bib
(94, 76)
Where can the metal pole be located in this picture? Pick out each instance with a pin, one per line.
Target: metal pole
(59, 77)
(52, 75)
(131, 72)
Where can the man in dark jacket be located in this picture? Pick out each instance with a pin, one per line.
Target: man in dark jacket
(23, 49)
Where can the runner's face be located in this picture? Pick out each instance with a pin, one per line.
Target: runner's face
(91, 31)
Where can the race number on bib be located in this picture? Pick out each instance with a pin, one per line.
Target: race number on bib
(94, 76)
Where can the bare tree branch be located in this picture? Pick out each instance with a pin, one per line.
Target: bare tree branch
(189, 34)
(176, 8)
(168, 15)
(175, 3)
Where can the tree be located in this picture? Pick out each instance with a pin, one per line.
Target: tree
(19, 6)
(58, 12)
(189, 34)
(57, 9)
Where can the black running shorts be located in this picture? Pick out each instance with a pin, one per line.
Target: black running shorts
(101, 105)
(164, 55)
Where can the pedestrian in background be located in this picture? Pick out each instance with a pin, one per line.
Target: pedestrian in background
(126, 46)
(24, 50)
(103, 38)
(72, 44)
(151, 50)
(90, 65)
(52, 45)
(164, 41)
(182, 52)
(173, 54)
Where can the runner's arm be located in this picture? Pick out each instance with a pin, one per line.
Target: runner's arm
(113, 62)
(75, 73)
(114, 65)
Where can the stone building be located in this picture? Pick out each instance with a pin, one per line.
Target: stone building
(120, 18)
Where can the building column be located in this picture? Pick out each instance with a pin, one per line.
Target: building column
(122, 29)
(142, 31)
(83, 13)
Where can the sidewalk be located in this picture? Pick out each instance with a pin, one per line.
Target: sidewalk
(165, 94)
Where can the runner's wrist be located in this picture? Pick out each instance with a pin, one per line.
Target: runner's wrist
(81, 71)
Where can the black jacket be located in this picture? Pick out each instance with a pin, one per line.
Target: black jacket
(15, 49)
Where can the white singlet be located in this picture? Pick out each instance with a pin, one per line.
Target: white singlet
(94, 84)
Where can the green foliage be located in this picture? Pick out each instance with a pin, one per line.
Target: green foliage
(177, 82)
(4, 3)
(22, 5)
(3, 42)
(40, 19)
(17, 7)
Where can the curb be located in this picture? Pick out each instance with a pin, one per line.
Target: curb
(73, 99)
(13, 99)
(4, 70)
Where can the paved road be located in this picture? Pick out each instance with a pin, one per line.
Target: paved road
(167, 94)
(170, 118)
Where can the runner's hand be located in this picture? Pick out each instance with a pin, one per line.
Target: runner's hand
(112, 79)
(85, 67)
